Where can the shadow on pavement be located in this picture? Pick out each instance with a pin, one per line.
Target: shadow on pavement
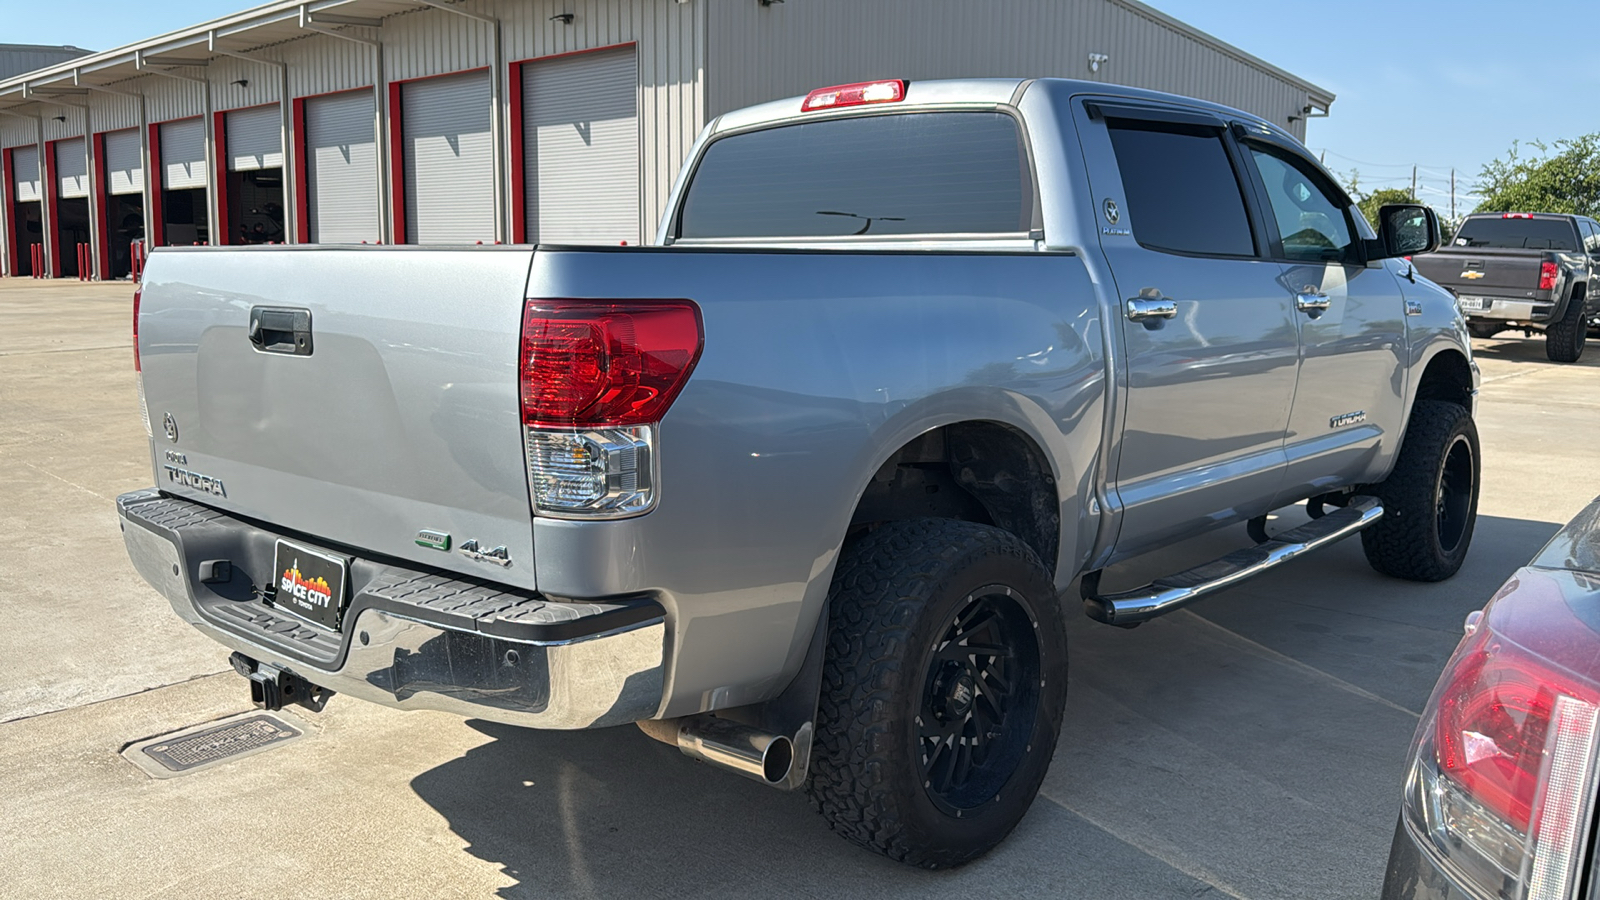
(1254, 745)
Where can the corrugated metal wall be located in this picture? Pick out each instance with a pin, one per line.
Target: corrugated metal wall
(671, 71)
(111, 112)
(14, 132)
(758, 53)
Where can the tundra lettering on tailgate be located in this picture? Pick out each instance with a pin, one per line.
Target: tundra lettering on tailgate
(195, 480)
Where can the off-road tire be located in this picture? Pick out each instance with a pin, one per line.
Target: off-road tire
(1564, 340)
(1418, 539)
(895, 593)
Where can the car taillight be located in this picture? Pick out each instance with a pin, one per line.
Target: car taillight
(1547, 276)
(138, 370)
(1516, 215)
(596, 378)
(1501, 781)
(857, 94)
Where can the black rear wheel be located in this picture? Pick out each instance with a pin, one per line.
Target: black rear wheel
(1564, 340)
(943, 689)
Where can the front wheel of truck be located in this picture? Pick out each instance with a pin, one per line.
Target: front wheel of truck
(1430, 499)
(944, 683)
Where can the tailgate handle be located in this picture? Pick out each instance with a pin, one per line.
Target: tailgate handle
(281, 329)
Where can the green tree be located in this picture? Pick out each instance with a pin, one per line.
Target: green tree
(1563, 178)
(1369, 204)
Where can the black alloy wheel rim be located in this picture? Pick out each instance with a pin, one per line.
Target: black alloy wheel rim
(1453, 497)
(980, 699)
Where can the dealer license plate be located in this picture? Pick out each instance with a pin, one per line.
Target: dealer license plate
(1475, 304)
(310, 584)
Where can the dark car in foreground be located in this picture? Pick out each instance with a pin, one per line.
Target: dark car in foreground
(1500, 792)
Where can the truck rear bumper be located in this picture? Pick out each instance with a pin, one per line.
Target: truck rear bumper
(1511, 310)
(411, 639)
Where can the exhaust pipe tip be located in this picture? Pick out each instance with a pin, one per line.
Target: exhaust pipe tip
(751, 752)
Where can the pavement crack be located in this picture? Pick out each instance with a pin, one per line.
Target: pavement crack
(1296, 664)
(63, 350)
(66, 481)
(77, 706)
(1197, 872)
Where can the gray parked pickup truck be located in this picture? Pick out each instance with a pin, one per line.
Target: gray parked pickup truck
(1523, 271)
(798, 489)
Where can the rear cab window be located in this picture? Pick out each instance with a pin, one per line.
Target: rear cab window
(1517, 234)
(1182, 193)
(901, 174)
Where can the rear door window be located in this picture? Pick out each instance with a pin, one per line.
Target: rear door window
(1183, 194)
(1517, 234)
(933, 173)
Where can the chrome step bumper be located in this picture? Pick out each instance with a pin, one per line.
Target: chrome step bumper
(1173, 592)
(411, 640)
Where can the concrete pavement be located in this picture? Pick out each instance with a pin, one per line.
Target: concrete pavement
(1251, 747)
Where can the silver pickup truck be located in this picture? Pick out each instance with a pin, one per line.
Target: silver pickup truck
(798, 488)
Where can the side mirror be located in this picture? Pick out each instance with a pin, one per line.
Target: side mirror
(1406, 229)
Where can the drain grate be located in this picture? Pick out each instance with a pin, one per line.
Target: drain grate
(219, 742)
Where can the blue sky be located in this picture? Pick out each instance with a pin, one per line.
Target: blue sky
(1424, 83)
(1428, 83)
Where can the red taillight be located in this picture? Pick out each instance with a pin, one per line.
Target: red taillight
(1496, 712)
(1516, 215)
(861, 92)
(137, 292)
(597, 364)
(1547, 276)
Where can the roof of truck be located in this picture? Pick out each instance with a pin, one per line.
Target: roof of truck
(980, 91)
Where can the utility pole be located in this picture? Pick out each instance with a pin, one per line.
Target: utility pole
(1413, 184)
(1452, 195)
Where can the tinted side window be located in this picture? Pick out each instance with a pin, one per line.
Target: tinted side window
(908, 173)
(1591, 236)
(1181, 189)
(1312, 225)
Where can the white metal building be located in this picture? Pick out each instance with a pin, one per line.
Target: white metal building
(448, 121)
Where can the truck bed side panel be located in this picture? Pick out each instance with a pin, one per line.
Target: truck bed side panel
(817, 367)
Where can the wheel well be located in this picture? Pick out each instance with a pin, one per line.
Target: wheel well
(1448, 378)
(981, 472)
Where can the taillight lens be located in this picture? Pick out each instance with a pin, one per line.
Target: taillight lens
(1501, 780)
(596, 378)
(1547, 276)
(592, 363)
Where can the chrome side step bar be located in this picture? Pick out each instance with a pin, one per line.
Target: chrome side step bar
(1172, 592)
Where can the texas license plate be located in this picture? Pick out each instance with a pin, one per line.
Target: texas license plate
(1475, 304)
(310, 584)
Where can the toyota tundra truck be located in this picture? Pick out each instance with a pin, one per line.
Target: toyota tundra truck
(1527, 272)
(799, 487)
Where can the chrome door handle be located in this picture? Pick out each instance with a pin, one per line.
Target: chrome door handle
(1311, 300)
(1142, 308)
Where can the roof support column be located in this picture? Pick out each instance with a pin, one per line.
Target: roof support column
(144, 64)
(498, 118)
(286, 137)
(7, 264)
(316, 21)
(147, 208)
(56, 95)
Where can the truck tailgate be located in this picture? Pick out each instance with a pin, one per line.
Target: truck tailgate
(403, 417)
(1494, 273)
